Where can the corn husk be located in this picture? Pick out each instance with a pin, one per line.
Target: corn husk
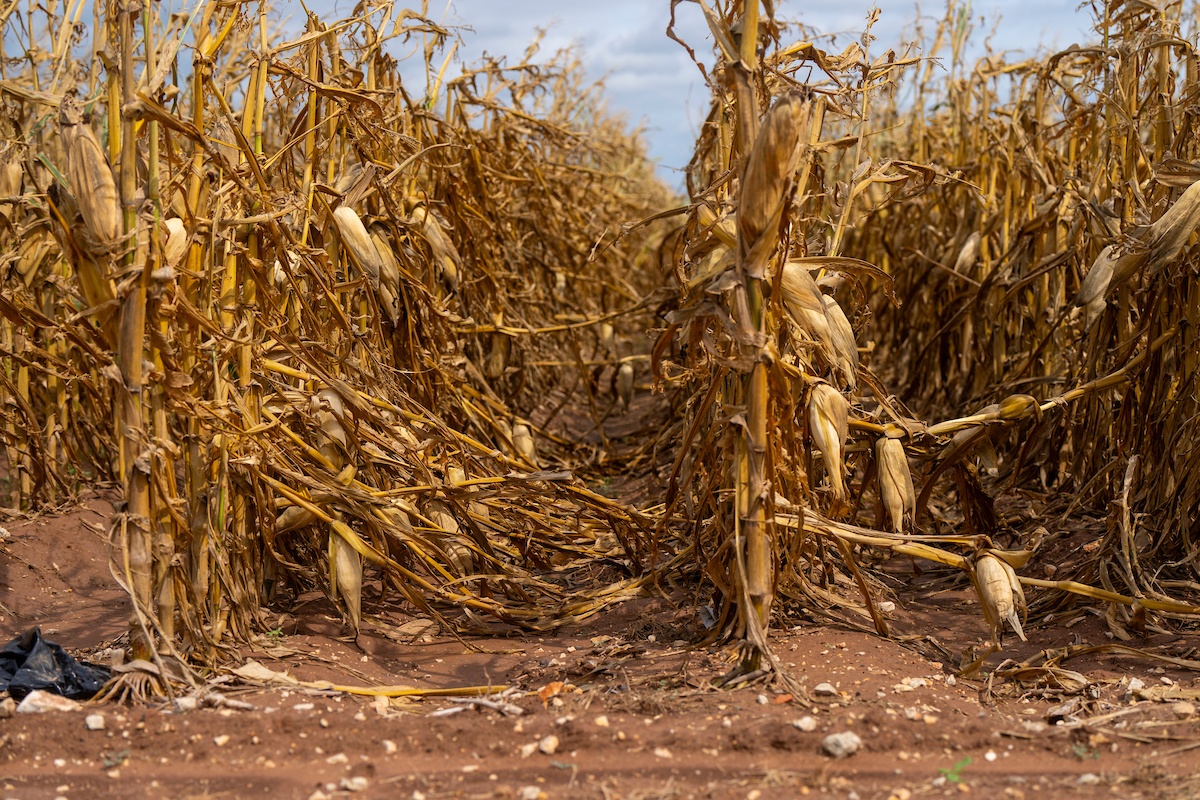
(895, 481)
(1001, 594)
(91, 178)
(828, 422)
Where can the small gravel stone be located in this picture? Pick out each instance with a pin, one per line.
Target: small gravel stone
(824, 690)
(549, 745)
(531, 793)
(1088, 779)
(763, 700)
(1136, 684)
(7, 707)
(990, 755)
(840, 745)
(356, 783)
(1183, 710)
(806, 724)
(601, 721)
(94, 722)
(222, 740)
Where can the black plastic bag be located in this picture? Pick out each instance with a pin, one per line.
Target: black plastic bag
(30, 662)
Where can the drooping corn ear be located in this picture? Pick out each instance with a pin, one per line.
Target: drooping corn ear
(1095, 283)
(10, 180)
(844, 344)
(969, 254)
(345, 572)
(822, 319)
(328, 409)
(768, 179)
(354, 235)
(176, 244)
(91, 178)
(445, 254)
(608, 338)
(523, 440)
(995, 580)
(389, 273)
(461, 558)
(625, 385)
(829, 424)
(1155, 247)
(895, 481)
(499, 351)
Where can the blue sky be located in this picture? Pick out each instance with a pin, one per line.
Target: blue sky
(651, 79)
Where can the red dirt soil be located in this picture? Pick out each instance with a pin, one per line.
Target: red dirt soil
(635, 715)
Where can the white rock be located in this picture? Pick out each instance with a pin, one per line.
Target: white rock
(356, 783)
(94, 722)
(531, 793)
(39, 702)
(222, 740)
(1183, 710)
(990, 755)
(549, 745)
(1136, 684)
(840, 745)
(824, 690)
(1088, 779)
(528, 749)
(389, 747)
(7, 707)
(601, 721)
(806, 724)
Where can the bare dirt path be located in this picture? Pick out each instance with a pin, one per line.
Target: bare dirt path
(621, 708)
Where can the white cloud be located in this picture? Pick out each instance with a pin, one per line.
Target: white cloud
(651, 78)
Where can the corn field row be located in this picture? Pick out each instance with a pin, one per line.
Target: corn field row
(327, 329)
